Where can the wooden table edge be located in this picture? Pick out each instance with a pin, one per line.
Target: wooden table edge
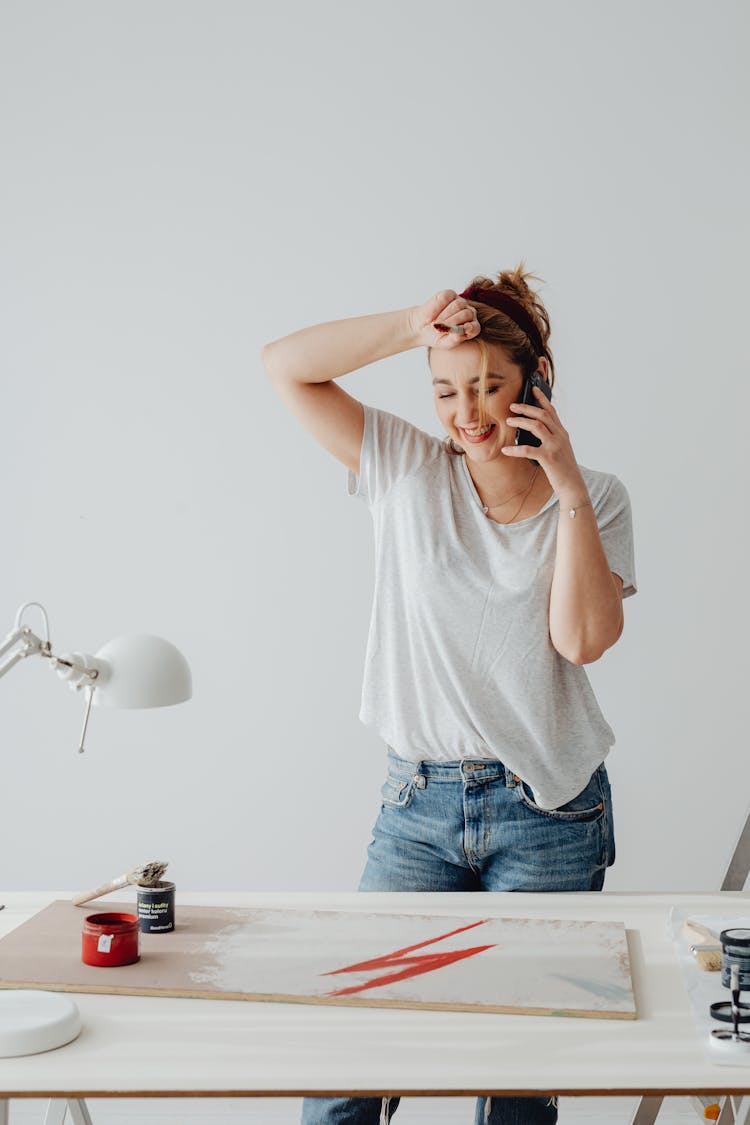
(396, 1092)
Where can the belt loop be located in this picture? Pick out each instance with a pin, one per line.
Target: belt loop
(511, 779)
(419, 778)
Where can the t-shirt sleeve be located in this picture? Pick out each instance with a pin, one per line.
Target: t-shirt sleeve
(615, 520)
(392, 449)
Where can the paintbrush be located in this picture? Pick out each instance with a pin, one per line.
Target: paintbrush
(145, 876)
(706, 948)
(734, 984)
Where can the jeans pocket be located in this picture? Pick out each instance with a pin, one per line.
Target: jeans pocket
(397, 792)
(586, 806)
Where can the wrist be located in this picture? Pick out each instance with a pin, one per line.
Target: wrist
(569, 509)
(412, 332)
(574, 496)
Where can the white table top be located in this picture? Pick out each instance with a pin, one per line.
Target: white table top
(149, 1046)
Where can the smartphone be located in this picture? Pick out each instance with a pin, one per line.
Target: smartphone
(528, 398)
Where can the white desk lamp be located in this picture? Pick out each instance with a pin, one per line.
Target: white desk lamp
(139, 670)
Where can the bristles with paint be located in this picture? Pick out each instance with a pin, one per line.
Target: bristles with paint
(707, 957)
(705, 950)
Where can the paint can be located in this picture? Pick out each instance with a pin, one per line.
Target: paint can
(156, 908)
(110, 939)
(735, 950)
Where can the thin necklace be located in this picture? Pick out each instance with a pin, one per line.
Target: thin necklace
(523, 498)
(486, 507)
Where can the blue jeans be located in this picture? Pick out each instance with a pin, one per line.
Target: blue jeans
(472, 825)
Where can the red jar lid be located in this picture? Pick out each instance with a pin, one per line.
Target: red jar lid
(110, 939)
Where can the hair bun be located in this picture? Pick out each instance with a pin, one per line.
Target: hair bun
(510, 290)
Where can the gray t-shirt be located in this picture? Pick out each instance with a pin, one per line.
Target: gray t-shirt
(459, 661)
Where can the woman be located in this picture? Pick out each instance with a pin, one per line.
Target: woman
(501, 569)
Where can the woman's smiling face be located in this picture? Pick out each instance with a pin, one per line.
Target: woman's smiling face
(455, 377)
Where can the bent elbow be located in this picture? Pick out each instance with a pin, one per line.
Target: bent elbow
(584, 652)
(265, 359)
(587, 650)
(584, 656)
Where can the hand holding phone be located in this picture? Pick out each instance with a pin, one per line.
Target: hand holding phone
(525, 437)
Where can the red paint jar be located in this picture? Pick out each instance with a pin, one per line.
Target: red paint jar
(111, 939)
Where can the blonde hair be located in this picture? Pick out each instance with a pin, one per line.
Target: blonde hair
(498, 330)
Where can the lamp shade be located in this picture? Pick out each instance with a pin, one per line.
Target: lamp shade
(141, 670)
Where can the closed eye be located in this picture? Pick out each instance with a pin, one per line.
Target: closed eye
(490, 391)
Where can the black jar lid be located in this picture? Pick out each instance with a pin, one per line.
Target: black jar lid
(737, 936)
(723, 1011)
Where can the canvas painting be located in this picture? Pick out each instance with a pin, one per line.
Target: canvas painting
(528, 965)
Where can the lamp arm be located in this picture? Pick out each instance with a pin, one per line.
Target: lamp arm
(11, 662)
(12, 639)
(29, 644)
(22, 635)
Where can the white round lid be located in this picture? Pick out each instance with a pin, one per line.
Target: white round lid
(32, 1021)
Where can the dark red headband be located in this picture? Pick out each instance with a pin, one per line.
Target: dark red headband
(511, 308)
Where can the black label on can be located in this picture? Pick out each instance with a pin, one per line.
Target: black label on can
(156, 908)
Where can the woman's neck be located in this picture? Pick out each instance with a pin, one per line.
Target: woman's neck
(495, 480)
(501, 488)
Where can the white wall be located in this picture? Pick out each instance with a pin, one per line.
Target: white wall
(183, 182)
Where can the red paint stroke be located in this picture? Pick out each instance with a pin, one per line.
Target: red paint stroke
(414, 966)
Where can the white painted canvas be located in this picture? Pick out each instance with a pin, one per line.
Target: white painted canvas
(551, 966)
(480, 963)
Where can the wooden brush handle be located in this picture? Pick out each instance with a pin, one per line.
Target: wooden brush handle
(104, 889)
(700, 934)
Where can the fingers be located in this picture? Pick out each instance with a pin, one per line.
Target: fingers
(458, 333)
(546, 410)
(443, 302)
(458, 319)
(520, 451)
(446, 296)
(546, 404)
(528, 409)
(534, 426)
(460, 323)
(433, 308)
(544, 423)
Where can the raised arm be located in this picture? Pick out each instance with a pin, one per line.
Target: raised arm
(302, 367)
